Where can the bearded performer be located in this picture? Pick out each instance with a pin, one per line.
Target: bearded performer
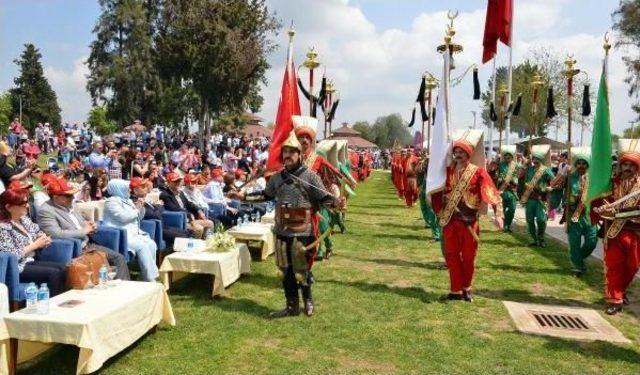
(298, 192)
(305, 130)
(621, 238)
(410, 182)
(468, 191)
(507, 184)
(533, 186)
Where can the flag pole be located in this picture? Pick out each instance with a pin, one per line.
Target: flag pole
(492, 125)
(569, 73)
(510, 77)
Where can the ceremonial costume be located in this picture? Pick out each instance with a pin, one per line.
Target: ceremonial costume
(583, 236)
(621, 241)
(410, 165)
(467, 193)
(507, 184)
(533, 187)
(427, 212)
(298, 192)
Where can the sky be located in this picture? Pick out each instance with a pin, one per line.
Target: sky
(374, 50)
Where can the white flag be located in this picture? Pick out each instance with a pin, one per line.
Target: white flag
(440, 141)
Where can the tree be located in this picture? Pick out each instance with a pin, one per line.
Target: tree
(219, 50)
(627, 24)
(6, 112)
(365, 130)
(39, 101)
(99, 120)
(388, 129)
(549, 65)
(122, 67)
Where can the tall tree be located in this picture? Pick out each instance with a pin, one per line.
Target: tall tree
(627, 24)
(6, 112)
(365, 130)
(219, 50)
(39, 101)
(388, 129)
(122, 67)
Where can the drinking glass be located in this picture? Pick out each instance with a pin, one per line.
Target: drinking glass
(112, 271)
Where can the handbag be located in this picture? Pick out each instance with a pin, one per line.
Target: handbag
(83, 271)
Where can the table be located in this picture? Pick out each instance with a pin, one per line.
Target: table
(91, 211)
(108, 321)
(4, 334)
(269, 218)
(225, 267)
(256, 232)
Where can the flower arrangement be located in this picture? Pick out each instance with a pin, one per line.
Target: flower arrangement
(220, 241)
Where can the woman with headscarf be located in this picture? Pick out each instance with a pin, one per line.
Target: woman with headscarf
(121, 212)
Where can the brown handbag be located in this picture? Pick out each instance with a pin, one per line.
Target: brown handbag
(86, 265)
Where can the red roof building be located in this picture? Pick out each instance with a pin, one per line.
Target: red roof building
(352, 137)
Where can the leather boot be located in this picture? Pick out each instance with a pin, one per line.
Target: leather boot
(292, 309)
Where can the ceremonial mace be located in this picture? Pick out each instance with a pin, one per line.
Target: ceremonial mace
(328, 106)
(535, 85)
(311, 63)
(430, 83)
(503, 90)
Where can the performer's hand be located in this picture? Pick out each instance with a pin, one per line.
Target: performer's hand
(340, 203)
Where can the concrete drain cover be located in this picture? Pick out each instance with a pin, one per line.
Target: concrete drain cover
(566, 322)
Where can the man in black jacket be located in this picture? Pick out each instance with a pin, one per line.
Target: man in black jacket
(174, 200)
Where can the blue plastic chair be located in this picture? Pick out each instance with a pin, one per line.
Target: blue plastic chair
(175, 219)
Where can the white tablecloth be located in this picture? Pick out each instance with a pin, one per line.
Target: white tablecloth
(108, 321)
(225, 267)
(256, 232)
(269, 218)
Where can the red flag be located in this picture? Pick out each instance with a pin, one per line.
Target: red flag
(497, 27)
(289, 105)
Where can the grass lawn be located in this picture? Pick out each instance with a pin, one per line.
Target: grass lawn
(378, 311)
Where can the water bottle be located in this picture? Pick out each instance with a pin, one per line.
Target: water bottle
(240, 223)
(190, 245)
(102, 276)
(257, 217)
(31, 294)
(43, 299)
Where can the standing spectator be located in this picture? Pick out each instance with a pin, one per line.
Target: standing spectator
(16, 130)
(9, 173)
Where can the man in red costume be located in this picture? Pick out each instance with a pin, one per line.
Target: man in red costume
(621, 239)
(410, 178)
(468, 191)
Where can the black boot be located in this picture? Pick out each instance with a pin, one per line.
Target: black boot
(625, 299)
(292, 309)
(451, 297)
(614, 308)
(467, 295)
(328, 253)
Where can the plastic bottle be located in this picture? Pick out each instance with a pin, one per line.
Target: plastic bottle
(43, 299)
(190, 245)
(31, 294)
(102, 276)
(257, 217)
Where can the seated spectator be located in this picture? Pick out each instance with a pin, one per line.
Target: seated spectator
(121, 212)
(139, 190)
(175, 200)
(20, 236)
(98, 184)
(205, 176)
(58, 219)
(9, 173)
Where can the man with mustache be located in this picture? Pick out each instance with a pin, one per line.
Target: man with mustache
(299, 192)
(583, 236)
(468, 190)
(305, 130)
(621, 241)
(507, 183)
(533, 186)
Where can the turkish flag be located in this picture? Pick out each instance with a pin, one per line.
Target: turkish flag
(289, 105)
(497, 27)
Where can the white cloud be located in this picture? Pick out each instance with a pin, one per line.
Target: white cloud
(70, 86)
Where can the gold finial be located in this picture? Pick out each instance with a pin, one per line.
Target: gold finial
(570, 63)
(291, 32)
(537, 80)
(330, 87)
(503, 90)
(311, 62)
(606, 45)
(430, 82)
(450, 33)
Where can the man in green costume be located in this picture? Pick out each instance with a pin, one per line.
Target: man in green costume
(582, 235)
(507, 184)
(427, 212)
(533, 186)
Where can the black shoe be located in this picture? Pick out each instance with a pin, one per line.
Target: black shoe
(507, 230)
(542, 244)
(467, 295)
(318, 258)
(533, 244)
(451, 297)
(292, 309)
(614, 308)
(308, 307)
(625, 299)
(443, 266)
(328, 253)
(578, 274)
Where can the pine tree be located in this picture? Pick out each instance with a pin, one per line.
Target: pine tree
(39, 101)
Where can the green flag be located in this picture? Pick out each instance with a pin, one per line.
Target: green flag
(600, 168)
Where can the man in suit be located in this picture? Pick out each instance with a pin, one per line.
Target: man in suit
(175, 200)
(57, 219)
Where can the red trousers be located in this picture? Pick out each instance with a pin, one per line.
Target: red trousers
(621, 261)
(460, 250)
(411, 191)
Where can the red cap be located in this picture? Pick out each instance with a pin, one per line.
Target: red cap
(173, 177)
(216, 173)
(464, 146)
(59, 186)
(189, 178)
(630, 156)
(137, 182)
(239, 172)
(19, 185)
(47, 177)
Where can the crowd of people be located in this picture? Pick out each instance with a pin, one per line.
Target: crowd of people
(547, 187)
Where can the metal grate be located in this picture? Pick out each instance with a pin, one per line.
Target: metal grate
(560, 321)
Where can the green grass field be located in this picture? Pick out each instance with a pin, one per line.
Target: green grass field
(378, 311)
